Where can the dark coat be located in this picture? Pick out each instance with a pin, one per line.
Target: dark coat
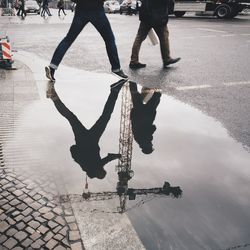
(154, 12)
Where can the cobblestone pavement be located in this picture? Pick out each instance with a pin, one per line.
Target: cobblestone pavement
(30, 217)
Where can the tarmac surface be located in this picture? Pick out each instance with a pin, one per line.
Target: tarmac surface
(192, 150)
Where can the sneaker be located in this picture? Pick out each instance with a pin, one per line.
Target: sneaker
(137, 65)
(171, 61)
(117, 85)
(50, 73)
(120, 73)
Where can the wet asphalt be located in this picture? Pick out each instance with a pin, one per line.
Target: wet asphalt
(198, 147)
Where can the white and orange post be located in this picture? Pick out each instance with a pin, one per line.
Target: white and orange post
(5, 52)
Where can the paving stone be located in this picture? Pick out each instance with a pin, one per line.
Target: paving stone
(27, 211)
(10, 221)
(34, 224)
(44, 210)
(58, 211)
(14, 202)
(59, 248)
(73, 226)
(37, 244)
(70, 219)
(74, 235)
(65, 242)
(51, 244)
(22, 197)
(64, 231)
(18, 193)
(37, 197)
(76, 246)
(48, 216)
(3, 238)
(36, 205)
(57, 229)
(60, 220)
(28, 200)
(6, 207)
(40, 219)
(3, 201)
(42, 229)
(10, 243)
(3, 226)
(17, 248)
(48, 236)
(36, 214)
(30, 230)
(27, 219)
(20, 235)
(26, 243)
(22, 206)
(3, 217)
(58, 237)
(11, 232)
(10, 197)
(19, 217)
(15, 213)
(35, 236)
(20, 226)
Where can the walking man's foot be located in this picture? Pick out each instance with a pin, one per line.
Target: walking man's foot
(50, 73)
(120, 74)
(117, 85)
(137, 65)
(171, 61)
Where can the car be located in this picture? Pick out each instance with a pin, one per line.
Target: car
(31, 6)
(111, 7)
(131, 8)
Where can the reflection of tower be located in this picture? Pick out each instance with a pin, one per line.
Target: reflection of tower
(125, 148)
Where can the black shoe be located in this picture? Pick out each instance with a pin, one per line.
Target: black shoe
(117, 85)
(137, 65)
(50, 73)
(114, 156)
(121, 74)
(171, 61)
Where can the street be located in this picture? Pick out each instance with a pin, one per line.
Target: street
(200, 144)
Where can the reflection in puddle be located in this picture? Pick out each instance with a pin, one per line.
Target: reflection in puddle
(138, 112)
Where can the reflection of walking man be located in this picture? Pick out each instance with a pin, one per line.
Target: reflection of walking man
(153, 14)
(142, 117)
(21, 11)
(60, 6)
(86, 151)
(87, 11)
(45, 8)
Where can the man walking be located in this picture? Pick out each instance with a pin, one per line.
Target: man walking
(87, 11)
(153, 14)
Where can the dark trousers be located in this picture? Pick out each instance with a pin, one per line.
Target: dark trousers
(101, 23)
(162, 33)
(61, 9)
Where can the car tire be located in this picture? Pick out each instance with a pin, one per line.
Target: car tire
(223, 11)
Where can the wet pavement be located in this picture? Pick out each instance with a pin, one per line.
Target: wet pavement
(191, 151)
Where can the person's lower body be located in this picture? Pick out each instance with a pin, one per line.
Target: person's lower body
(163, 35)
(101, 23)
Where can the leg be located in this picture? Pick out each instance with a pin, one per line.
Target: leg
(154, 101)
(77, 25)
(101, 23)
(101, 124)
(163, 34)
(140, 37)
(135, 95)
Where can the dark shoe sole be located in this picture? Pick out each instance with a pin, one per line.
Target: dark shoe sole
(118, 84)
(135, 66)
(172, 62)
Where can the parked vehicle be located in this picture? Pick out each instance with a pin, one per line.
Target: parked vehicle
(111, 7)
(31, 6)
(221, 9)
(124, 7)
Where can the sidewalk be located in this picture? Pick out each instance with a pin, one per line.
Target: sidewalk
(30, 218)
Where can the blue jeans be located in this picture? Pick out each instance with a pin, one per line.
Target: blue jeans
(101, 23)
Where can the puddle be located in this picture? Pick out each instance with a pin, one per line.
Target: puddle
(191, 150)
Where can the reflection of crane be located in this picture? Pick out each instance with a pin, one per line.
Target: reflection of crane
(124, 166)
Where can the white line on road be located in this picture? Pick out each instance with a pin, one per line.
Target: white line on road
(244, 34)
(236, 83)
(228, 35)
(193, 87)
(212, 30)
(209, 36)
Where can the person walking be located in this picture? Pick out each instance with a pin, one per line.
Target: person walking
(45, 8)
(21, 11)
(87, 11)
(60, 6)
(153, 14)
(86, 150)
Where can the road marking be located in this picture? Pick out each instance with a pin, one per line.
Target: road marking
(236, 83)
(228, 35)
(244, 34)
(209, 36)
(212, 30)
(193, 87)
